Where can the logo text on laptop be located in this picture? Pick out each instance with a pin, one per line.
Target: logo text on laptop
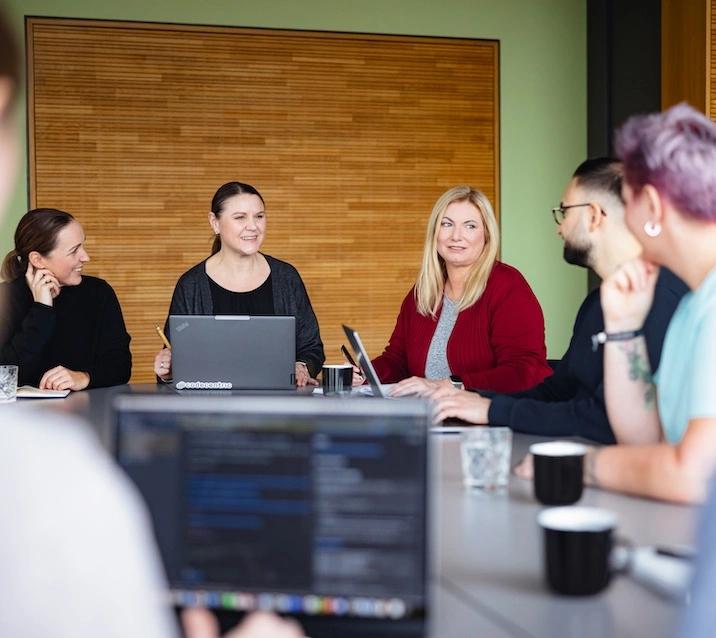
(204, 385)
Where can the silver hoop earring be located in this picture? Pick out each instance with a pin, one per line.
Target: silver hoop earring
(652, 229)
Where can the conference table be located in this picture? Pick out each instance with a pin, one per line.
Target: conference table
(487, 573)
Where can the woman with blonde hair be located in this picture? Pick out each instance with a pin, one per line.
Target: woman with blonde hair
(470, 319)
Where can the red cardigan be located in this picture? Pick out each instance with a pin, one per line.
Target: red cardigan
(496, 344)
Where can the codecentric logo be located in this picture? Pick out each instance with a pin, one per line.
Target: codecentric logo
(204, 385)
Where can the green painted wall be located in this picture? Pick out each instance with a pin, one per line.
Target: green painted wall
(542, 88)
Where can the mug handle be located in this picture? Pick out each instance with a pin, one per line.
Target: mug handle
(622, 555)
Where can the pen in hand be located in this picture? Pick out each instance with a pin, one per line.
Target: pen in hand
(163, 337)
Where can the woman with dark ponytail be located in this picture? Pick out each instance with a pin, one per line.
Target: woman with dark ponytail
(63, 330)
(237, 279)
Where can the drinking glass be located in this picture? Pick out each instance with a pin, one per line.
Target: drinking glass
(486, 454)
(8, 383)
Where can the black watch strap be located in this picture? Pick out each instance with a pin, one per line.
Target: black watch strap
(626, 335)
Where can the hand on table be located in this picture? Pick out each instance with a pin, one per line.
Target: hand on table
(525, 468)
(201, 623)
(460, 404)
(163, 364)
(303, 378)
(418, 385)
(627, 294)
(43, 285)
(61, 378)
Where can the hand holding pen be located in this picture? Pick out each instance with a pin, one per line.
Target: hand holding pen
(163, 360)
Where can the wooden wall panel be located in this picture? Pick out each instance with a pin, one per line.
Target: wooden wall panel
(711, 49)
(350, 139)
(684, 53)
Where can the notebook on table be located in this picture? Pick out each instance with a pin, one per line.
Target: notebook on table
(233, 352)
(32, 392)
(312, 507)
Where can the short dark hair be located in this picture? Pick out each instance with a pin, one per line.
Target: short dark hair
(604, 174)
(9, 57)
(37, 230)
(222, 194)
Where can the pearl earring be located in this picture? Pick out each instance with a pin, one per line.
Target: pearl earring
(653, 229)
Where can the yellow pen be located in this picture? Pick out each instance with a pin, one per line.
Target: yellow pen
(163, 337)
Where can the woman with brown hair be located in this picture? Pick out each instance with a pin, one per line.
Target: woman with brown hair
(64, 330)
(238, 279)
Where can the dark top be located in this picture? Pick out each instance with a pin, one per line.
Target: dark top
(254, 302)
(192, 296)
(571, 401)
(83, 330)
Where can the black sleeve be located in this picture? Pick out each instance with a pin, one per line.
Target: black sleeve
(25, 330)
(178, 305)
(551, 409)
(557, 387)
(112, 363)
(585, 417)
(309, 347)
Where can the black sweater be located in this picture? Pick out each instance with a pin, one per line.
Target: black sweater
(571, 401)
(83, 330)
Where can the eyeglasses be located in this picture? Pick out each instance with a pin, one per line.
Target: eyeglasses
(560, 212)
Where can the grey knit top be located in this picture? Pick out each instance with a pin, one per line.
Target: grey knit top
(436, 365)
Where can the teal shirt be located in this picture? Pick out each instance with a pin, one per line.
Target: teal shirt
(686, 379)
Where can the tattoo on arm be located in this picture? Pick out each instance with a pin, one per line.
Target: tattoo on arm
(640, 370)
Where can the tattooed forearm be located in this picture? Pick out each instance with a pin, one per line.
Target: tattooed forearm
(640, 369)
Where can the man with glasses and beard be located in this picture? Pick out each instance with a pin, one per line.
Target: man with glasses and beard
(590, 221)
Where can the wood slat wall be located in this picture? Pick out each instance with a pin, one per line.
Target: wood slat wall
(684, 54)
(350, 139)
(711, 49)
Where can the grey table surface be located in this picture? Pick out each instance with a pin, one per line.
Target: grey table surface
(487, 549)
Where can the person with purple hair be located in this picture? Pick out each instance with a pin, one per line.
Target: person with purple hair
(667, 417)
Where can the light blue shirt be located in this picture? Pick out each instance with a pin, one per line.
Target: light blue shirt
(686, 379)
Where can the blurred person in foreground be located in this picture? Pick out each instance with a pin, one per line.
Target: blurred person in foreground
(77, 557)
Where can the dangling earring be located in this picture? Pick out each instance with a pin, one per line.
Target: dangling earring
(653, 229)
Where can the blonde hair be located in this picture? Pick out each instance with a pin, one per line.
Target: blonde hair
(430, 286)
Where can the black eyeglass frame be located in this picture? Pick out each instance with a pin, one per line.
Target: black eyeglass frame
(560, 212)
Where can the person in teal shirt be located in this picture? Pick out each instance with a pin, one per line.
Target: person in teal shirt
(665, 424)
(687, 380)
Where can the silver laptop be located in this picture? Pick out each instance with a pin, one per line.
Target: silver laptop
(363, 360)
(233, 352)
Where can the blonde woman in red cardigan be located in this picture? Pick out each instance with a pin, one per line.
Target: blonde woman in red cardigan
(469, 319)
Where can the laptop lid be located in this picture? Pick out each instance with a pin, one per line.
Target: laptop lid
(363, 360)
(313, 507)
(233, 352)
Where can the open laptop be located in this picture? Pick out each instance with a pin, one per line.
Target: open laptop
(233, 352)
(363, 360)
(312, 507)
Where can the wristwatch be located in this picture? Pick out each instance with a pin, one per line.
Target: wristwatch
(457, 382)
(602, 337)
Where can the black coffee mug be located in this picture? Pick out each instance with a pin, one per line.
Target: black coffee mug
(558, 472)
(578, 543)
(337, 378)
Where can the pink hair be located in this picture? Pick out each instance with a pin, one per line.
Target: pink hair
(674, 151)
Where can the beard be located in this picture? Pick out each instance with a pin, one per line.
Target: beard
(577, 255)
